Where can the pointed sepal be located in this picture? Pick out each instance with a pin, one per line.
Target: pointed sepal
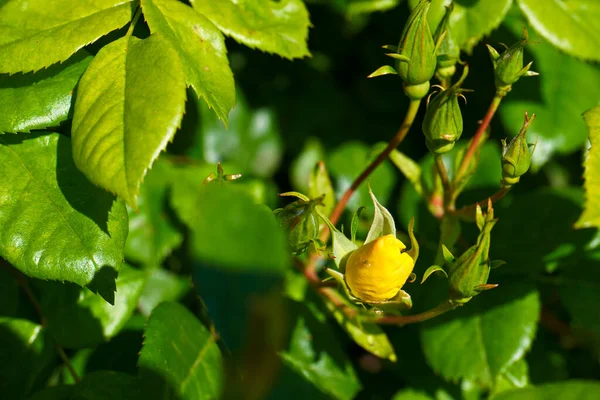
(414, 245)
(431, 270)
(385, 70)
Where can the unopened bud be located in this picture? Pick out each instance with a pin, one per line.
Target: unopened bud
(508, 66)
(448, 51)
(443, 123)
(301, 222)
(516, 156)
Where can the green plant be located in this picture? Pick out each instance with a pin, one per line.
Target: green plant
(144, 252)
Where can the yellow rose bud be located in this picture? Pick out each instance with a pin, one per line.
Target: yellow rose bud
(377, 271)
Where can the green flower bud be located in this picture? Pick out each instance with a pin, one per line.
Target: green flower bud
(468, 275)
(443, 123)
(301, 221)
(516, 156)
(508, 66)
(417, 46)
(448, 52)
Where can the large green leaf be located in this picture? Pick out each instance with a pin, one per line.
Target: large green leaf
(38, 33)
(40, 100)
(483, 338)
(129, 104)
(568, 390)
(231, 231)
(25, 352)
(201, 50)
(99, 385)
(566, 89)
(315, 354)
(275, 27)
(569, 25)
(78, 318)
(180, 359)
(470, 20)
(54, 224)
(152, 233)
(591, 214)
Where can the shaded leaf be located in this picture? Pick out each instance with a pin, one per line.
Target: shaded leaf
(476, 342)
(578, 34)
(315, 354)
(411, 394)
(129, 104)
(54, 224)
(514, 377)
(409, 168)
(320, 185)
(591, 214)
(25, 352)
(40, 100)
(161, 286)
(179, 355)
(275, 27)
(201, 50)
(39, 33)
(99, 385)
(152, 234)
(303, 165)
(78, 318)
(568, 390)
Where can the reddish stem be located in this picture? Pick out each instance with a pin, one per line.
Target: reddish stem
(401, 320)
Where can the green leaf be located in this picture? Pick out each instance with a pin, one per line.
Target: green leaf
(129, 104)
(568, 390)
(201, 49)
(252, 142)
(578, 34)
(275, 27)
(578, 286)
(179, 354)
(409, 168)
(40, 100)
(383, 222)
(483, 338)
(566, 89)
(302, 166)
(38, 33)
(152, 234)
(161, 286)
(25, 352)
(54, 223)
(232, 232)
(99, 385)
(516, 376)
(315, 354)
(367, 335)
(319, 185)
(591, 214)
(78, 318)
(470, 20)
(347, 162)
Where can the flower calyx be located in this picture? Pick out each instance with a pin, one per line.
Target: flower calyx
(468, 275)
(414, 55)
(516, 156)
(508, 66)
(221, 176)
(300, 220)
(443, 122)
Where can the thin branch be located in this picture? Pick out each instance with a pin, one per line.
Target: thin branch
(441, 169)
(67, 362)
(477, 138)
(401, 320)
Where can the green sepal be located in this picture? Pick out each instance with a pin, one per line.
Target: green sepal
(497, 263)
(398, 57)
(383, 222)
(341, 280)
(401, 302)
(414, 245)
(448, 257)
(342, 246)
(431, 270)
(385, 70)
(479, 218)
(295, 194)
(390, 47)
(355, 219)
